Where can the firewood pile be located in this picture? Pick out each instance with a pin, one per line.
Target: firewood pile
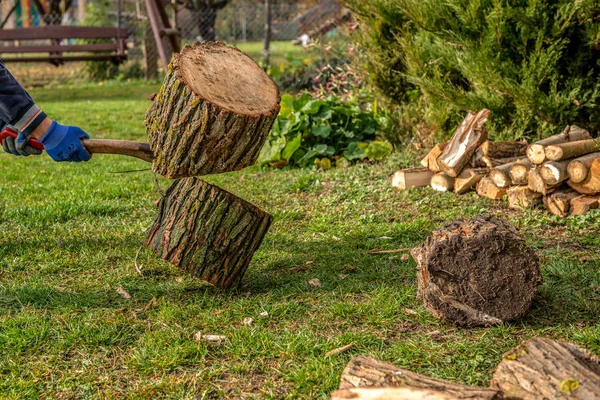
(562, 172)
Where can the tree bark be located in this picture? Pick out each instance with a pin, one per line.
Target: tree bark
(537, 151)
(496, 162)
(564, 151)
(477, 271)
(468, 179)
(578, 168)
(559, 203)
(207, 231)
(411, 178)
(364, 372)
(487, 188)
(430, 160)
(518, 172)
(467, 138)
(554, 172)
(503, 149)
(542, 368)
(522, 198)
(500, 175)
(442, 182)
(212, 114)
(537, 184)
(582, 204)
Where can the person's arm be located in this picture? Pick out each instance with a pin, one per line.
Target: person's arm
(17, 108)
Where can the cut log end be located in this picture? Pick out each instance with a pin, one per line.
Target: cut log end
(469, 287)
(411, 178)
(487, 188)
(442, 182)
(536, 153)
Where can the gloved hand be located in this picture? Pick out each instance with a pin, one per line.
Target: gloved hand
(63, 143)
(19, 146)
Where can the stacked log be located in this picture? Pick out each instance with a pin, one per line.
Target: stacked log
(556, 171)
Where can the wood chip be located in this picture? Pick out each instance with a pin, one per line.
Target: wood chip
(315, 282)
(410, 311)
(248, 321)
(123, 292)
(339, 350)
(199, 336)
(263, 314)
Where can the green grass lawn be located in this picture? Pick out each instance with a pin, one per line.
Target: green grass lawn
(70, 234)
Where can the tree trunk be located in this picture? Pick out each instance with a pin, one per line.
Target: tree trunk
(468, 179)
(564, 151)
(554, 172)
(522, 198)
(442, 182)
(537, 151)
(578, 168)
(559, 203)
(503, 149)
(582, 204)
(467, 138)
(411, 178)
(364, 372)
(477, 271)
(207, 231)
(542, 368)
(518, 172)
(486, 188)
(212, 114)
(430, 160)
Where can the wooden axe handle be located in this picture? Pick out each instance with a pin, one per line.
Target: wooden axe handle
(123, 147)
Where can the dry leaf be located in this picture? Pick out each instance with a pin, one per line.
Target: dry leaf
(339, 350)
(248, 321)
(343, 276)
(309, 262)
(315, 282)
(123, 292)
(405, 257)
(410, 311)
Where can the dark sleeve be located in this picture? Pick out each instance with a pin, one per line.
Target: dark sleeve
(16, 106)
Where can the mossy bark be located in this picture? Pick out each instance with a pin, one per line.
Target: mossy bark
(207, 231)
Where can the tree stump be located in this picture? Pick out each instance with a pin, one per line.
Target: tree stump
(207, 231)
(212, 114)
(477, 271)
(364, 372)
(542, 368)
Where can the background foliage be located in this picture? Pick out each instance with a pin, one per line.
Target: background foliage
(534, 63)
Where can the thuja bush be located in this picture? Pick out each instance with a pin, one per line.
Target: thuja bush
(534, 63)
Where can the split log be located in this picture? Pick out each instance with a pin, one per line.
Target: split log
(468, 137)
(407, 393)
(542, 368)
(442, 182)
(363, 372)
(537, 184)
(411, 178)
(537, 151)
(563, 151)
(501, 175)
(496, 162)
(518, 172)
(477, 159)
(554, 172)
(430, 160)
(503, 149)
(591, 184)
(468, 179)
(579, 167)
(521, 198)
(477, 271)
(207, 231)
(487, 188)
(582, 204)
(212, 114)
(559, 203)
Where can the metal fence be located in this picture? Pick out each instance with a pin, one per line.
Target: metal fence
(242, 24)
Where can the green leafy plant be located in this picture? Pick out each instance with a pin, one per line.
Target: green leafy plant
(313, 131)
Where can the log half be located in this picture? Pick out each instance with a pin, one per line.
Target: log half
(207, 231)
(212, 114)
(536, 152)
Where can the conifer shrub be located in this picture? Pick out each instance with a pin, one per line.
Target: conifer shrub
(534, 63)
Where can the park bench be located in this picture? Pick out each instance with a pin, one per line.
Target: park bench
(31, 43)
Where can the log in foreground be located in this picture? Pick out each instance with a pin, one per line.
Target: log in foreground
(537, 151)
(442, 182)
(207, 231)
(468, 137)
(477, 271)
(542, 368)
(364, 372)
(411, 178)
(212, 114)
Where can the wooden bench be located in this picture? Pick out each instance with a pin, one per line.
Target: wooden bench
(114, 49)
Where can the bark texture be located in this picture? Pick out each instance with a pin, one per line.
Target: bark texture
(503, 149)
(542, 368)
(212, 114)
(477, 271)
(368, 372)
(537, 151)
(207, 231)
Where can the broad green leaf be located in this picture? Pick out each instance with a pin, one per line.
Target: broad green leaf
(301, 100)
(321, 131)
(321, 149)
(312, 107)
(353, 152)
(271, 151)
(287, 105)
(291, 146)
(377, 150)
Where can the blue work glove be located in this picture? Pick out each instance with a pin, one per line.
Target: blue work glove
(19, 146)
(63, 143)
